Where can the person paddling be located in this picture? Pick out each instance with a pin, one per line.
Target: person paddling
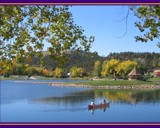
(92, 103)
(104, 101)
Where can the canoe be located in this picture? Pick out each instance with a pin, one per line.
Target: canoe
(106, 105)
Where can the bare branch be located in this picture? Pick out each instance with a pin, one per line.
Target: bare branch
(126, 21)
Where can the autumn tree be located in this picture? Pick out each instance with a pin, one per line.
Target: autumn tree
(77, 71)
(25, 29)
(45, 72)
(97, 68)
(149, 22)
(58, 72)
(104, 70)
(125, 67)
(109, 68)
(31, 71)
(6, 68)
(1, 67)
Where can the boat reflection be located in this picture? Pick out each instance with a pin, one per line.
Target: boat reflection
(101, 106)
(93, 110)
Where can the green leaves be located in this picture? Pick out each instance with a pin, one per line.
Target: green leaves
(97, 68)
(26, 29)
(149, 22)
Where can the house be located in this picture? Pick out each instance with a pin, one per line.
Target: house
(156, 73)
(134, 74)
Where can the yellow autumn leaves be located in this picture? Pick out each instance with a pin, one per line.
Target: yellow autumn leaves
(114, 67)
(77, 71)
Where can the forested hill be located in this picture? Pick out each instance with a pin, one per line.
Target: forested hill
(86, 60)
(73, 58)
(146, 60)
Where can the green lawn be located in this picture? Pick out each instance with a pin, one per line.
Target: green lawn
(155, 79)
(118, 82)
(16, 77)
(102, 82)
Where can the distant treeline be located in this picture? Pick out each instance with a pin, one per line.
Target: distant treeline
(146, 61)
(84, 64)
(72, 59)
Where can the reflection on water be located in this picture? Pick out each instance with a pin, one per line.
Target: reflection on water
(120, 96)
(133, 97)
(84, 97)
(93, 110)
(69, 99)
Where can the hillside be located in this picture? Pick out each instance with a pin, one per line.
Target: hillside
(73, 58)
(146, 61)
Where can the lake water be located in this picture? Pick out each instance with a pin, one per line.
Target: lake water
(23, 102)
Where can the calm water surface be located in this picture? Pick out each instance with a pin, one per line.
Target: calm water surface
(43, 103)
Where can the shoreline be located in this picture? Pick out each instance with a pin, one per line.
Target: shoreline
(107, 86)
(118, 87)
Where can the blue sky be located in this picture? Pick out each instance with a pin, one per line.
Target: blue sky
(103, 23)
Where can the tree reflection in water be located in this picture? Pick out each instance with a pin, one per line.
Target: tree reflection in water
(118, 96)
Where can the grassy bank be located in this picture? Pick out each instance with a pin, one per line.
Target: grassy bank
(16, 77)
(107, 82)
(100, 82)
(113, 84)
